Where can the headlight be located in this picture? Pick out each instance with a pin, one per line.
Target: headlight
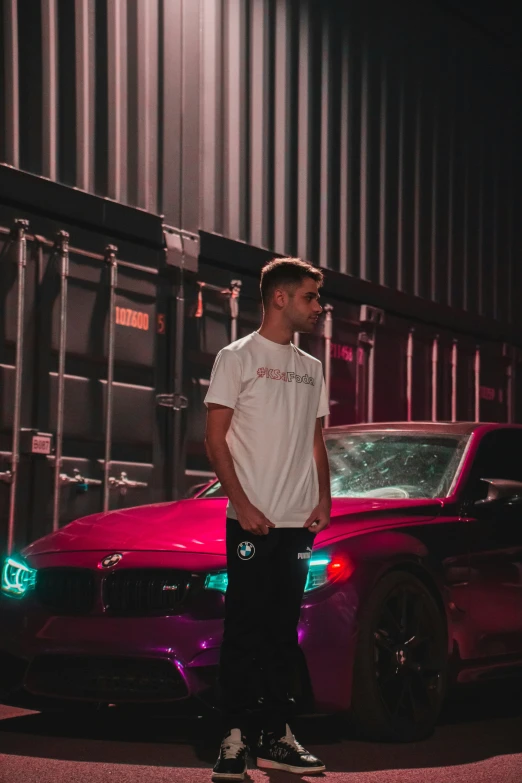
(328, 569)
(17, 578)
(321, 571)
(217, 581)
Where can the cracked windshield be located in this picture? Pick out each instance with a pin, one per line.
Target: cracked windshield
(393, 465)
(380, 465)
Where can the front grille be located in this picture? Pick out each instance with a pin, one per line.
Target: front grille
(141, 592)
(105, 678)
(66, 590)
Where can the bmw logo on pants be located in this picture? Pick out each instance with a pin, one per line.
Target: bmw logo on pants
(246, 550)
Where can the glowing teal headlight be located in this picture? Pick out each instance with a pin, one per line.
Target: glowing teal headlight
(217, 582)
(317, 576)
(317, 573)
(17, 578)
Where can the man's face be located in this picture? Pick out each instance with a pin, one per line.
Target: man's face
(302, 307)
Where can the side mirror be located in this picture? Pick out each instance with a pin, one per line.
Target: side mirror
(501, 491)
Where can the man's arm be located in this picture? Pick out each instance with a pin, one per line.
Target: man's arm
(250, 518)
(319, 519)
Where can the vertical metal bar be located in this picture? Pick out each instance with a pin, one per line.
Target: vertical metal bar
(235, 141)
(11, 84)
(371, 377)
(480, 267)
(383, 175)
(328, 333)
(190, 137)
(110, 259)
(454, 367)
(409, 376)
(345, 160)
(235, 290)
(117, 94)
(325, 238)
(20, 231)
(296, 339)
(282, 128)
(477, 383)
(172, 115)
(494, 216)
(448, 299)
(63, 244)
(259, 124)
(211, 113)
(304, 135)
(365, 166)
(510, 378)
(84, 38)
(49, 88)
(400, 190)
(147, 89)
(417, 260)
(358, 385)
(434, 292)
(511, 290)
(465, 233)
(434, 378)
(179, 467)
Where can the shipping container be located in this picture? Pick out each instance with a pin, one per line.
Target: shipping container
(201, 138)
(376, 139)
(84, 353)
(107, 345)
(424, 365)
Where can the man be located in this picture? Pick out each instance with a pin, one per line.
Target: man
(264, 438)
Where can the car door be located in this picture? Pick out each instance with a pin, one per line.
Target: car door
(494, 595)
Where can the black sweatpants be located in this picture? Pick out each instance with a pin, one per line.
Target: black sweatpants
(266, 581)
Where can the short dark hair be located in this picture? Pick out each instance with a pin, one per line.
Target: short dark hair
(286, 271)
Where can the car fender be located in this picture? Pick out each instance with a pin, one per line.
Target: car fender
(376, 553)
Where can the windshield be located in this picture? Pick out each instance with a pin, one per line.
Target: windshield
(393, 465)
(388, 465)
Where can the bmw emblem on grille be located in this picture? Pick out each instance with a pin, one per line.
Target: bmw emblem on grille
(111, 560)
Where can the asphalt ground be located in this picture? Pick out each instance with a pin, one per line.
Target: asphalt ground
(478, 740)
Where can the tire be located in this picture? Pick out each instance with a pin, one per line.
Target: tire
(401, 661)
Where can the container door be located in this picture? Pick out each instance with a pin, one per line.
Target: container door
(348, 363)
(219, 309)
(95, 356)
(115, 356)
(390, 351)
(494, 364)
(18, 261)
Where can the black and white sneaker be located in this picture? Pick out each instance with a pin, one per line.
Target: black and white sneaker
(231, 764)
(286, 753)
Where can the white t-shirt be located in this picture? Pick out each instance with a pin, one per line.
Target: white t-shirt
(277, 393)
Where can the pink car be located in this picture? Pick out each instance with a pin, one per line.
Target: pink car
(418, 576)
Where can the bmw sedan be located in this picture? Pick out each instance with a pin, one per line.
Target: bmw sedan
(417, 584)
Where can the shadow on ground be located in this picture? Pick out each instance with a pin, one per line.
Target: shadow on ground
(477, 723)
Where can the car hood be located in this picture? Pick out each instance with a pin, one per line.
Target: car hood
(197, 525)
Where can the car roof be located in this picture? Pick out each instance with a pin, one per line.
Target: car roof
(435, 427)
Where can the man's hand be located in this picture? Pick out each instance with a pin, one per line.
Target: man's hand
(319, 519)
(253, 520)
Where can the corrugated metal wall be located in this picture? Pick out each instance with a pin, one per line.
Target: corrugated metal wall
(375, 138)
(93, 95)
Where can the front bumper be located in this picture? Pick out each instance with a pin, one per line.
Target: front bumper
(163, 659)
(36, 642)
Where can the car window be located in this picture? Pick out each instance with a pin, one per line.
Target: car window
(398, 465)
(499, 456)
(214, 491)
(393, 465)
